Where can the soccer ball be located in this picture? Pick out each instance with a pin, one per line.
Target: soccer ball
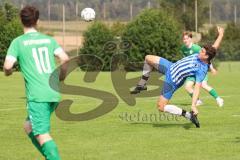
(88, 14)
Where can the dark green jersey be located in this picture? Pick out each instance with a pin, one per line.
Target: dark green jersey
(189, 51)
(35, 54)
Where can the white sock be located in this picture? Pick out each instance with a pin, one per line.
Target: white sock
(177, 111)
(173, 109)
(187, 115)
(146, 69)
(146, 73)
(142, 82)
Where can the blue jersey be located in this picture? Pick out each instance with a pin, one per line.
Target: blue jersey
(190, 66)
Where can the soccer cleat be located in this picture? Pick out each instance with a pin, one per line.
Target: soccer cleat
(220, 101)
(194, 119)
(199, 102)
(138, 89)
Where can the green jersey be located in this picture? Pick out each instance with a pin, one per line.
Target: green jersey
(189, 51)
(35, 55)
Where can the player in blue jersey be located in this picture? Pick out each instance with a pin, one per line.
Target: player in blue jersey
(187, 49)
(196, 65)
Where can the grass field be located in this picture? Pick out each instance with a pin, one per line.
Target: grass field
(112, 137)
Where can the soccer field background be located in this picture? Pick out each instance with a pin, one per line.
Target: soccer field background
(113, 136)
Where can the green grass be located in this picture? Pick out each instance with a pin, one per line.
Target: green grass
(110, 137)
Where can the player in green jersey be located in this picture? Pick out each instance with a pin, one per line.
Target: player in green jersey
(35, 54)
(190, 48)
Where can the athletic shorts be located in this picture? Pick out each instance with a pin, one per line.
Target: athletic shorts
(39, 114)
(194, 80)
(168, 87)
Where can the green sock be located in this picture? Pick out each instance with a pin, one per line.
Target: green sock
(35, 142)
(50, 150)
(213, 93)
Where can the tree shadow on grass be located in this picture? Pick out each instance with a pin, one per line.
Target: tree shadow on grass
(22, 97)
(186, 126)
(182, 104)
(237, 140)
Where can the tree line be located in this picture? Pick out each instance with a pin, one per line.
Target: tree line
(222, 10)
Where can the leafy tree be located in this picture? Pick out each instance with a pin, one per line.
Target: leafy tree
(10, 27)
(118, 28)
(153, 32)
(95, 39)
(230, 44)
(187, 17)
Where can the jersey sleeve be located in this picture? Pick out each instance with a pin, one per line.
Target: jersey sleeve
(197, 48)
(57, 49)
(13, 51)
(200, 75)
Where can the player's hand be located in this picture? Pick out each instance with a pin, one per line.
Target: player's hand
(220, 30)
(195, 110)
(214, 72)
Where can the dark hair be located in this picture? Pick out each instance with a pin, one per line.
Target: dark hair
(186, 33)
(210, 51)
(29, 16)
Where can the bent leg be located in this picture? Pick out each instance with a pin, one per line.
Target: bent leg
(163, 106)
(40, 120)
(28, 130)
(206, 87)
(149, 62)
(189, 87)
(213, 93)
(48, 146)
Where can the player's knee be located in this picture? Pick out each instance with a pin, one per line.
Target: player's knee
(42, 138)
(27, 127)
(204, 85)
(148, 58)
(188, 88)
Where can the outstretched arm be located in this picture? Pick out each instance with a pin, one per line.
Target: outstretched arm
(219, 38)
(212, 69)
(196, 93)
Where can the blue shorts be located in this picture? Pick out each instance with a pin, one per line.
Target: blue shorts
(168, 88)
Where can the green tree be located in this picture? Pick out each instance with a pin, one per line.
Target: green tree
(231, 43)
(153, 32)
(95, 39)
(118, 28)
(229, 49)
(187, 17)
(10, 27)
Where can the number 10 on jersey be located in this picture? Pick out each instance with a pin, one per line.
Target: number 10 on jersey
(41, 58)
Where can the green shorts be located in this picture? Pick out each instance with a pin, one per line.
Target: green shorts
(194, 80)
(39, 114)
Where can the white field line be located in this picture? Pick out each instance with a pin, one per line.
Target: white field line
(11, 109)
(236, 115)
(138, 100)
